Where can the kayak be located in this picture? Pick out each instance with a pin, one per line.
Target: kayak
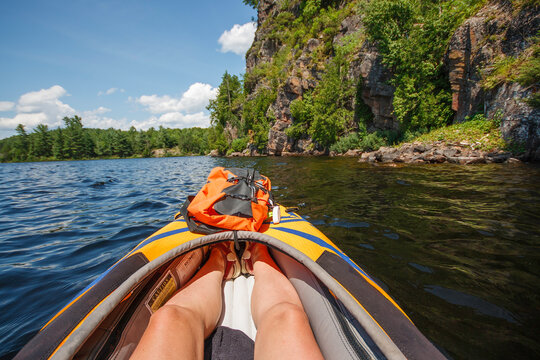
(350, 315)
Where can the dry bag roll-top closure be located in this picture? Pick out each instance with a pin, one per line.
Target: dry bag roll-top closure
(232, 199)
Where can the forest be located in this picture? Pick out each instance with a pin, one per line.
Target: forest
(75, 142)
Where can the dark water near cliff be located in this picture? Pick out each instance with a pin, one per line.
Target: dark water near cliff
(456, 246)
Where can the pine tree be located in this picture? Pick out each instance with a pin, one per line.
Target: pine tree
(42, 141)
(21, 148)
(58, 145)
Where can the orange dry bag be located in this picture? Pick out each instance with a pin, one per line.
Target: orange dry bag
(232, 199)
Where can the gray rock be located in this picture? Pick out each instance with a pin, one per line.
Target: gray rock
(355, 152)
(466, 160)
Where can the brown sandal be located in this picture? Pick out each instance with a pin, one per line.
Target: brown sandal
(231, 260)
(246, 260)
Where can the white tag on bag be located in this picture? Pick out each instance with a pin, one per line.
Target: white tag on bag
(276, 215)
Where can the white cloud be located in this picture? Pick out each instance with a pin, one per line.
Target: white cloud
(174, 120)
(6, 105)
(196, 98)
(39, 107)
(95, 119)
(45, 107)
(186, 111)
(110, 91)
(238, 39)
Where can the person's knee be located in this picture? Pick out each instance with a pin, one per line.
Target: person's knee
(169, 316)
(287, 313)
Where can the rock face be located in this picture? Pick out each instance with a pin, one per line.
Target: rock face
(496, 30)
(304, 75)
(376, 93)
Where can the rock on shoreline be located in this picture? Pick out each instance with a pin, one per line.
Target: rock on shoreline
(436, 153)
(412, 153)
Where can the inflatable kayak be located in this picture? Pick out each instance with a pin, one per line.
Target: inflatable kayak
(350, 315)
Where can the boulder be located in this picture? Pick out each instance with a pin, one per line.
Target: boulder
(354, 152)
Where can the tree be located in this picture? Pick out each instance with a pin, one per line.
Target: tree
(73, 138)
(42, 141)
(120, 145)
(253, 3)
(21, 146)
(225, 108)
(163, 138)
(58, 144)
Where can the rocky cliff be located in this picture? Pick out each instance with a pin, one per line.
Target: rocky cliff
(499, 29)
(304, 74)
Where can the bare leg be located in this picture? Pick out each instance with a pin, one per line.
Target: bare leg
(283, 330)
(178, 329)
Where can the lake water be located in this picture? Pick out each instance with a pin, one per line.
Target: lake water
(456, 246)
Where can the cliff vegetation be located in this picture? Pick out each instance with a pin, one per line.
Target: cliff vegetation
(329, 75)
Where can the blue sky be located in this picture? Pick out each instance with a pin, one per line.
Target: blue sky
(117, 63)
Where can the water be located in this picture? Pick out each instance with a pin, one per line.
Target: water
(456, 246)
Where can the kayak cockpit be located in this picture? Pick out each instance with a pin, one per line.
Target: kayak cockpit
(334, 328)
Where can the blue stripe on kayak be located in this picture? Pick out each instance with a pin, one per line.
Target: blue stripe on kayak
(291, 220)
(159, 236)
(324, 244)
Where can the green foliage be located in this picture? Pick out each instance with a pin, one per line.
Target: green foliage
(372, 142)
(483, 133)
(253, 3)
(311, 8)
(302, 113)
(42, 143)
(503, 70)
(349, 142)
(534, 100)
(225, 108)
(524, 70)
(21, 148)
(361, 141)
(256, 116)
(240, 144)
(325, 113)
(421, 106)
(412, 38)
(217, 139)
(76, 142)
(388, 21)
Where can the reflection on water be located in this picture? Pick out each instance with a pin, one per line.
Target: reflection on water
(456, 246)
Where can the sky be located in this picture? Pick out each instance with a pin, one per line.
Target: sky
(117, 63)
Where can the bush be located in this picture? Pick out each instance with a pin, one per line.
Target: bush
(240, 144)
(349, 142)
(362, 141)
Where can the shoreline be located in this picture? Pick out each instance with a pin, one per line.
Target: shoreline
(437, 152)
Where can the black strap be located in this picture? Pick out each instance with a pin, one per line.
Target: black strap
(236, 243)
(195, 227)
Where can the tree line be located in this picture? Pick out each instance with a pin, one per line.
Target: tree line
(73, 142)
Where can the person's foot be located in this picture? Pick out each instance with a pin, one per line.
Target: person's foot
(253, 252)
(233, 269)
